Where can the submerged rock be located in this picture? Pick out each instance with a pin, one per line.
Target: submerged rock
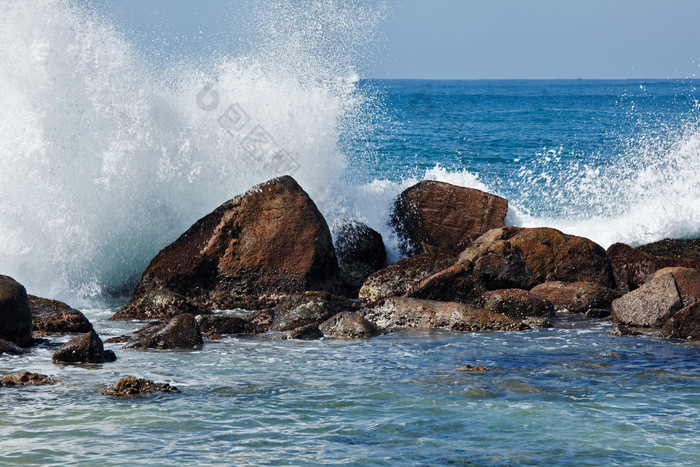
(649, 305)
(181, 332)
(474, 369)
(517, 303)
(271, 240)
(577, 297)
(360, 252)
(130, 386)
(25, 378)
(50, 317)
(398, 278)
(622, 330)
(404, 312)
(434, 214)
(87, 348)
(15, 314)
(10, 348)
(348, 325)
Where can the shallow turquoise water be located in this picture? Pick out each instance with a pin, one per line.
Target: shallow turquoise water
(572, 395)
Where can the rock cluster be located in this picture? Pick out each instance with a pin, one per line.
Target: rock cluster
(130, 386)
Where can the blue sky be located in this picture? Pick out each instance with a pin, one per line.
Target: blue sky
(468, 39)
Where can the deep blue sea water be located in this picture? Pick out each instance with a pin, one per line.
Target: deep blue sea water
(571, 395)
(106, 158)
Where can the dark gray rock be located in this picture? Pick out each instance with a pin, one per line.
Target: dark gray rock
(348, 325)
(10, 348)
(181, 332)
(51, 317)
(15, 314)
(87, 348)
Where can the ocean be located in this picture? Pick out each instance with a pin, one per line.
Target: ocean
(108, 155)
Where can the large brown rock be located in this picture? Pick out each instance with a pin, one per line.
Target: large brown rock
(673, 248)
(181, 332)
(683, 324)
(687, 281)
(270, 240)
(517, 303)
(577, 297)
(453, 284)
(87, 348)
(404, 312)
(348, 325)
(50, 317)
(649, 305)
(439, 215)
(633, 266)
(15, 314)
(396, 279)
(523, 258)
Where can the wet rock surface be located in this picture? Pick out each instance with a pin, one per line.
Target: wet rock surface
(398, 278)
(10, 348)
(348, 325)
(160, 304)
(404, 312)
(181, 332)
(130, 386)
(517, 303)
(577, 297)
(434, 214)
(15, 314)
(311, 308)
(683, 324)
(25, 378)
(87, 348)
(361, 252)
(52, 317)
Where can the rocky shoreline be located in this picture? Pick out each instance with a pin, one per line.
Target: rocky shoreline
(270, 251)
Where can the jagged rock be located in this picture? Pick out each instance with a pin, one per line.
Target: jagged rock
(404, 312)
(360, 252)
(649, 305)
(160, 304)
(15, 315)
(130, 386)
(10, 348)
(348, 325)
(271, 240)
(311, 308)
(524, 258)
(517, 303)
(25, 378)
(435, 214)
(633, 266)
(687, 281)
(684, 323)
(181, 332)
(87, 348)
(398, 278)
(577, 297)
(50, 317)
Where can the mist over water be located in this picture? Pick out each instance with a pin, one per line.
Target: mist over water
(107, 156)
